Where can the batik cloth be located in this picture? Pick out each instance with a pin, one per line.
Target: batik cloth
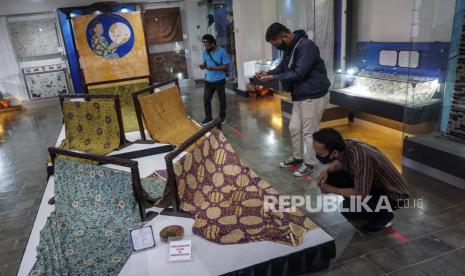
(154, 187)
(227, 198)
(165, 118)
(124, 90)
(91, 126)
(88, 233)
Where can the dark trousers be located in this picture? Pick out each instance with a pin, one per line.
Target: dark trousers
(343, 179)
(209, 90)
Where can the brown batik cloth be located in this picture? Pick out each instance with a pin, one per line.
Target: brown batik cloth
(163, 25)
(168, 65)
(165, 118)
(227, 198)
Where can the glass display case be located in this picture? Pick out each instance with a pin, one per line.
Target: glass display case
(397, 89)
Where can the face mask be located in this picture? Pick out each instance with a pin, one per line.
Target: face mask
(324, 159)
(282, 46)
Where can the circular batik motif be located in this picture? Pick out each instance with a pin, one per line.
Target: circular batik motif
(87, 142)
(99, 131)
(80, 128)
(69, 115)
(108, 119)
(96, 105)
(77, 104)
(89, 117)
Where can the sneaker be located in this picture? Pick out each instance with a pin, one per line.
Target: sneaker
(290, 162)
(304, 169)
(379, 225)
(223, 121)
(206, 121)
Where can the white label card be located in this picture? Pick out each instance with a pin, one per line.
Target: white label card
(180, 251)
(142, 238)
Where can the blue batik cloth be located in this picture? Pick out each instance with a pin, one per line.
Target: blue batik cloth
(88, 233)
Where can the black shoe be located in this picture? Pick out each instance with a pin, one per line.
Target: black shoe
(206, 121)
(380, 224)
(223, 121)
(290, 162)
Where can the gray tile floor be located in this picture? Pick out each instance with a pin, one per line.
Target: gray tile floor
(430, 240)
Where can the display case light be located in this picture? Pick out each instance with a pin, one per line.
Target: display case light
(124, 10)
(73, 14)
(98, 12)
(339, 70)
(352, 70)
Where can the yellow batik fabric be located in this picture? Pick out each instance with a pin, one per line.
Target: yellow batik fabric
(226, 198)
(124, 90)
(91, 126)
(165, 118)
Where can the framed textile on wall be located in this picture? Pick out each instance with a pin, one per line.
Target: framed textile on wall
(111, 46)
(163, 25)
(168, 65)
(46, 81)
(33, 38)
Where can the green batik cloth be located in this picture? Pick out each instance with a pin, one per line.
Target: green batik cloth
(91, 126)
(88, 233)
(124, 90)
(153, 188)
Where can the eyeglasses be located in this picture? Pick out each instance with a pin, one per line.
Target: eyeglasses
(206, 41)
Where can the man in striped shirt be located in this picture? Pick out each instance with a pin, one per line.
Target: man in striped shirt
(359, 170)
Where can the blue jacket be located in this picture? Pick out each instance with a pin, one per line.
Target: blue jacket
(306, 77)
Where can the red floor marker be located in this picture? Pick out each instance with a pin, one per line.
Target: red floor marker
(293, 168)
(396, 234)
(308, 177)
(236, 132)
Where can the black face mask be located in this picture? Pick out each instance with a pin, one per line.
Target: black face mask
(324, 159)
(282, 46)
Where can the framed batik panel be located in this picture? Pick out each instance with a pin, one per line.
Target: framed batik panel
(163, 25)
(168, 65)
(111, 46)
(32, 38)
(46, 81)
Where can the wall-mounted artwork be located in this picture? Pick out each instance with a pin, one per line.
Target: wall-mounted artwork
(168, 65)
(45, 83)
(163, 25)
(111, 46)
(33, 38)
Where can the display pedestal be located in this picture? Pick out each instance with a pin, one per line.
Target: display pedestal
(437, 157)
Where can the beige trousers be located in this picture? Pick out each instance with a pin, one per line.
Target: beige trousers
(305, 120)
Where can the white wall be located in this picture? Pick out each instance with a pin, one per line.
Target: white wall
(391, 20)
(251, 19)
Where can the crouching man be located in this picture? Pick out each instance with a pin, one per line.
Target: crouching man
(359, 170)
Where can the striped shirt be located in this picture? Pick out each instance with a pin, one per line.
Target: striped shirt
(372, 170)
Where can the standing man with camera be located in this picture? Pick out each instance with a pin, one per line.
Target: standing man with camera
(303, 73)
(216, 61)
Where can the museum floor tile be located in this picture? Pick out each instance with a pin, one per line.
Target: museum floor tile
(422, 241)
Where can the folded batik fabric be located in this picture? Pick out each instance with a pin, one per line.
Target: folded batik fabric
(88, 233)
(165, 118)
(124, 90)
(91, 126)
(227, 198)
(154, 186)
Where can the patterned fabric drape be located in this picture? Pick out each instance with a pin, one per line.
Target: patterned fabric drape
(124, 90)
(163, 25)
(91, 126)
(46, 84)
(165, 117)
(168, 65)
(88, 233)
(227, 198)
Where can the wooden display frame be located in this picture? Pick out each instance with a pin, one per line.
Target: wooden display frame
(132, 165)
(150, 90)
(171, 181)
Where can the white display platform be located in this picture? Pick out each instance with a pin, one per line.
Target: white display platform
(208, 258)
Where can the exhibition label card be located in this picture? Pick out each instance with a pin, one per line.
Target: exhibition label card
(180, 251)
(142, 238)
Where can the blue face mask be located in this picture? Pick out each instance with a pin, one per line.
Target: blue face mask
(324, 159)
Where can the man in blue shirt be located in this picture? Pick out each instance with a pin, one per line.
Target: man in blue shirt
(216, 61)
